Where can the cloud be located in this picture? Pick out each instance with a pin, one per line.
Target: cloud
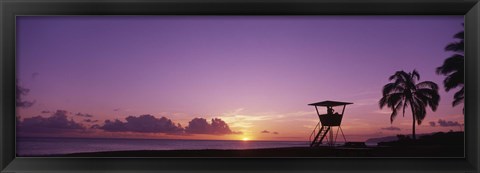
(266, 131)
(57, 122)
(239, 119)
(365, 102)
(84, 115)
(45, 112)
(445, 123)
(20, 91)
(117, 109)
(391, 128)
(95, 126)
(142, 124)
(432, 123)
(90, 121)
(386, 112)
(201, 126)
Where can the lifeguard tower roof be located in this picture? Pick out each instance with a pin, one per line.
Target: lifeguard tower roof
(329, 103)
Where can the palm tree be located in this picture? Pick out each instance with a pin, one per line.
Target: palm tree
(404, 91)
(453, 68)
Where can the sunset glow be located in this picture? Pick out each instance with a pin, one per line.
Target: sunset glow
(224, 78)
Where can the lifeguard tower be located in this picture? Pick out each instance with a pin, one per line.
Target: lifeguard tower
(328, 121)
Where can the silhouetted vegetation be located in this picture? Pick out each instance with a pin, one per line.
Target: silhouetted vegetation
(404, 91)
(439, 138)
(453, 68)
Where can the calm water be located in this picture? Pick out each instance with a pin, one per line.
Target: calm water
(48, 146)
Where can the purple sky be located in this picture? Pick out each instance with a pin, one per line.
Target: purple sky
(254, 73)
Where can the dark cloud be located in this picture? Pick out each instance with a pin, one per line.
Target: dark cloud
(57, 122)
(114, 126)
(433, 124)
(445, 123)
(45, 112)
(118, 109)
(265, 131)
(84, 115)
(391, 128)
(20, 91)
(201, 126)
(90, 121)
(275, 133)
(143, 124)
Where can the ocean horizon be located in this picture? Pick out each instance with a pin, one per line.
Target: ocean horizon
(47, 146)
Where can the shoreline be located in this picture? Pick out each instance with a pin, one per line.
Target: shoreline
(322, 151)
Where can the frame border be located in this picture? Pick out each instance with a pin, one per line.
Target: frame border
(11, 8)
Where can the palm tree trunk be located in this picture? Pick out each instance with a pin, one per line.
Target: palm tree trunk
(413, 128)
(413, 124)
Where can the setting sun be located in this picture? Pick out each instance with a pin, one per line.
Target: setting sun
(245, 139)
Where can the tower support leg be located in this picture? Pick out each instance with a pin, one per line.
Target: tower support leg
(339, 127)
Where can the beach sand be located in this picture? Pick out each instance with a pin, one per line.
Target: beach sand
(410, 151)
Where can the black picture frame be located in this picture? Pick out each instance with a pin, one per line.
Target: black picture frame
(11, 8)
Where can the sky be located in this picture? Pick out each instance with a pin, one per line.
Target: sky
(253, 76)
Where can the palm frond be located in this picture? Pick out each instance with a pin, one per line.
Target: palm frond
(457, 101)
(382, 102)
(454, 80)
(395, 110)
(456, 47)
(427, 85)
(394, 98)
(459, 97)
(389, 88)
(460, 35)
(420, 115)
(429, 97)
(418, 108)
(399, 76)
(452, 64)
(415, 75)
(405, 105)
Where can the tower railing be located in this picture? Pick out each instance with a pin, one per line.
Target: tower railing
(314, 133)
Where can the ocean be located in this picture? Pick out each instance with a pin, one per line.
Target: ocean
(33, 146)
